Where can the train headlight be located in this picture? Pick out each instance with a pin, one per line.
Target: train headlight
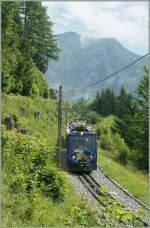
(91, 156)
(73, 157)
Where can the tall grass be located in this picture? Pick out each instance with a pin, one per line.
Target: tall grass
(130, 178)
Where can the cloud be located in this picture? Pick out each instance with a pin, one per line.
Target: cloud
(125, 21)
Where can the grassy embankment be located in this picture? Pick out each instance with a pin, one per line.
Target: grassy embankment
(135, 181)
(35, 191)
(114, 159)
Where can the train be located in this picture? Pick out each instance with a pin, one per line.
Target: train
(81, 148)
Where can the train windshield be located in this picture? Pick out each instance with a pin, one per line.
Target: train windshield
(83, 142)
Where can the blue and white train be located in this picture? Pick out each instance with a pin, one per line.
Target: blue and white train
(81, 148)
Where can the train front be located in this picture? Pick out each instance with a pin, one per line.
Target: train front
(82, 151)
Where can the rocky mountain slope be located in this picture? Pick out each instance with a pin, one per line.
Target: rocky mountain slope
(82, 62)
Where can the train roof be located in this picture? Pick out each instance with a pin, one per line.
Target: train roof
(78, 127)
(79, 133)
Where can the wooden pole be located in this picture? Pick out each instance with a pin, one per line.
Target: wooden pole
(66, 115)
(60, 122)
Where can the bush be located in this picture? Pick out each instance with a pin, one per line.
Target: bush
(120, 149)
(92, 117)
(106, 142)
(104, 133)
(83, 214)
(32, 163)
(51, 183)
(112, 141)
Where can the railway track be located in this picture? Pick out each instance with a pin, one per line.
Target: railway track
(124, 190)
(93, 187)
(96, 193)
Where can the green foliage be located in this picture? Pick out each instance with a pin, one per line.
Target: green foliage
(53, 93)
(35, 191)
(51, 183)
(121, 149)
(116, 214)
(82, 111)
(81, 104)
(24, 108)
(27, 45)
(38, 34)
(132, 122)
(33, 187)
(110, 140)
(30, 157)
(104, 103)
(33, 82)
(83, 215)
(11, 53)
(125, 109)
(92, 117)
(139, 126)
(127, 176)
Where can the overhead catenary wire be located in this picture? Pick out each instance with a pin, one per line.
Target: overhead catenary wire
(107, 77)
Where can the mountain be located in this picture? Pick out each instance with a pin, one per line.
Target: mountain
(82, 62)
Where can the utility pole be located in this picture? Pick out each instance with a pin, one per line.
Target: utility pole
(66, 115)
(60, 122)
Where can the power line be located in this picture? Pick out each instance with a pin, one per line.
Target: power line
(109, 76)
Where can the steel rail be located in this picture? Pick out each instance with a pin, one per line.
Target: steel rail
(90, 189)
(94, 185)
(124, 190)
(94, 194)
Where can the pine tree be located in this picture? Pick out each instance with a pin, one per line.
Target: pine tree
(27, 45)
(108, 103)
(125, 110)
(39, 39)
(139, 125)
(11, 54)
(104, 103)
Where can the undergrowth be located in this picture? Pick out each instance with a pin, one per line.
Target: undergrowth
(115, 214)
(35, 191)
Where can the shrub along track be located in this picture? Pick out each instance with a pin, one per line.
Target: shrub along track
(93, 187)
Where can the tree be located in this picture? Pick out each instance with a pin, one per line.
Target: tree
(11, 54)
(139, 126)
(53, 93)
(33, 80)
(125, 110)
(80, 104)
(104, 103)
(132, 121)
(27, 45)
(39, 38)
(94, 105)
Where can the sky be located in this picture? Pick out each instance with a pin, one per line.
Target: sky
(126, 21)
